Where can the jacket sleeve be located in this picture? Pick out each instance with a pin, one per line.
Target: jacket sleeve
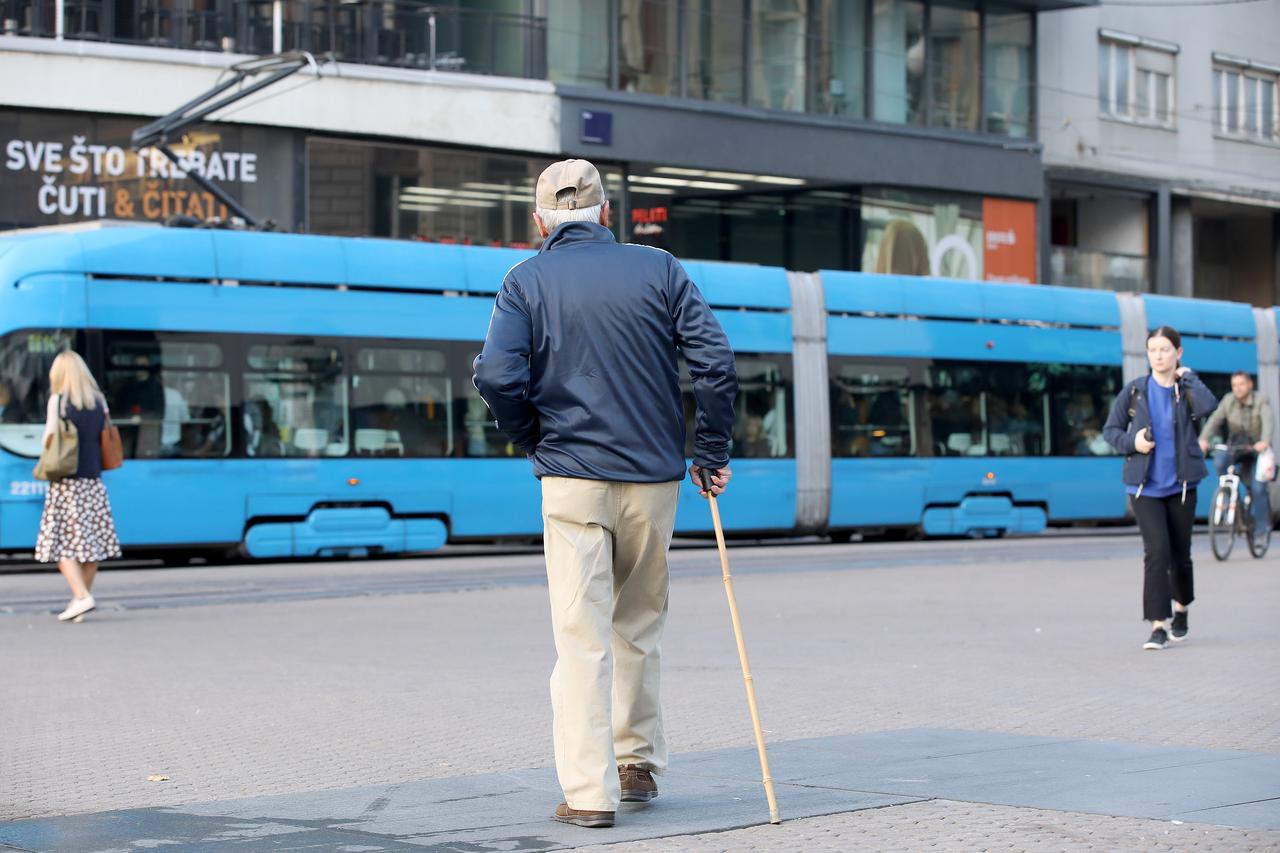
(1211, 426)
(1199, 396)
(502, 368)
(715, 379)
(1116, 430)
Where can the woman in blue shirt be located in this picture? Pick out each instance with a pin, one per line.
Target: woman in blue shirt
(1151, 423)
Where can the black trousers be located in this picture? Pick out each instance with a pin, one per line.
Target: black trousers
(1166, 543)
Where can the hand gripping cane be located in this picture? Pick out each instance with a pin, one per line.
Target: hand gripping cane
(742, 648)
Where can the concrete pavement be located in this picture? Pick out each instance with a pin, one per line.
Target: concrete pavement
(310, 682)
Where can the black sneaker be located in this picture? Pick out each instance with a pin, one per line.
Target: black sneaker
(1178, 630)
(1159, 640)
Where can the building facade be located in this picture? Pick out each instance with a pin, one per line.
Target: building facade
(1161, 135)
(882, 135)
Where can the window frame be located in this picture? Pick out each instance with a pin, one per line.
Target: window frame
(1245, 72)
(1110, 108)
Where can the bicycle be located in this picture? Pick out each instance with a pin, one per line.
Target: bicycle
(1230, 513)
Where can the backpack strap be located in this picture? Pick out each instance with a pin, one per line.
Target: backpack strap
(1133, 395)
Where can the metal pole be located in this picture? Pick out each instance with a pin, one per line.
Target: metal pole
(60, 15)
(277, 26)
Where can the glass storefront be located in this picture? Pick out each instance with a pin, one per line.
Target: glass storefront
(916, 233)
(440, 195)
(776, 221)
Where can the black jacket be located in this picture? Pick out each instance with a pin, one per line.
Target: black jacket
(1192, 400)
(580, 363)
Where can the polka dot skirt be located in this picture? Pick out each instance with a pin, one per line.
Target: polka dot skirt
(76, 524)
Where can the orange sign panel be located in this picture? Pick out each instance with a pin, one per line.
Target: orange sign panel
(1009, 240)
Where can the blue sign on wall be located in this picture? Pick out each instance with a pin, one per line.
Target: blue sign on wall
(597, 127)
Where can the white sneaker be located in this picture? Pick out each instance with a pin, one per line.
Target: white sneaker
(77, 607)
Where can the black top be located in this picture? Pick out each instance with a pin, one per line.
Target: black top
(89, 425)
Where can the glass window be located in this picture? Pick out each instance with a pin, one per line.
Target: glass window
(1008, 72)
(1142, 93)
(955, 410)
(401, 402)
(1268, 123)
(899, 60)
(911, 233)
(714, 50)
(1015, 410)
(648, 47)
(837, 71)
(953, 66)
(765, 424)
(169, 395)
(1233, 102)
(1104, 76)
(481, 436)
(295, 400)
(777, 53)
(1251, 105)
(25, 359)
(437, 195)
(1120, 95)
(1218, 102)
(1218, 383)
(1080, 399)
(872, 410)
(578, 42)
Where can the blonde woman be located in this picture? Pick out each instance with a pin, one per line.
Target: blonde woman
(76, 528)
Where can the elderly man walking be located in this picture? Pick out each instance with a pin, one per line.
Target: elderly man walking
(580, 371)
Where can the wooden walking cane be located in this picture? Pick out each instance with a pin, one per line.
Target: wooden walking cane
(742, 648)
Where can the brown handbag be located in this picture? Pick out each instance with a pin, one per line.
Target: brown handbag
(112, 449)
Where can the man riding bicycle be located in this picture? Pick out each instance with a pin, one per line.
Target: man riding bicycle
(1247, 415)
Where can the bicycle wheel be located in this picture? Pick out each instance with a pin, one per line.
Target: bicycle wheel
(1222, 533)
(1260, 540)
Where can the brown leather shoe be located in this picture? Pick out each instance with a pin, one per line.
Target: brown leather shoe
(637, 783)
(592, 820)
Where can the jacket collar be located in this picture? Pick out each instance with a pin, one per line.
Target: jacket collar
(576, 232)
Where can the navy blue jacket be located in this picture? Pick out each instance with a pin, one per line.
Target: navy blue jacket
(1191, 400)
(579, 367)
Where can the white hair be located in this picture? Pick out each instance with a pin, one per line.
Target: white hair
(553, 219)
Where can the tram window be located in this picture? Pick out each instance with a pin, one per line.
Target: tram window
(955, 410)
(1080, 401)
(1219, 383)
(25, 359)
(764, 424)
(401, 402)
(481, 436)
(762, 417)
(168, 395)
(1013, 409)
(295, 401)
(871, 411)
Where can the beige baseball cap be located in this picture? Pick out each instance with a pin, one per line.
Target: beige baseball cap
(577, 175)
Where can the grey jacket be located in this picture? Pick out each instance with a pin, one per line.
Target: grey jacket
(1251, 418)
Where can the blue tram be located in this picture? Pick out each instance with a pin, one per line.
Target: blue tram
(287, 395)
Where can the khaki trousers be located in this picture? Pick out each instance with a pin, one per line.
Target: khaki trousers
(606, 548)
